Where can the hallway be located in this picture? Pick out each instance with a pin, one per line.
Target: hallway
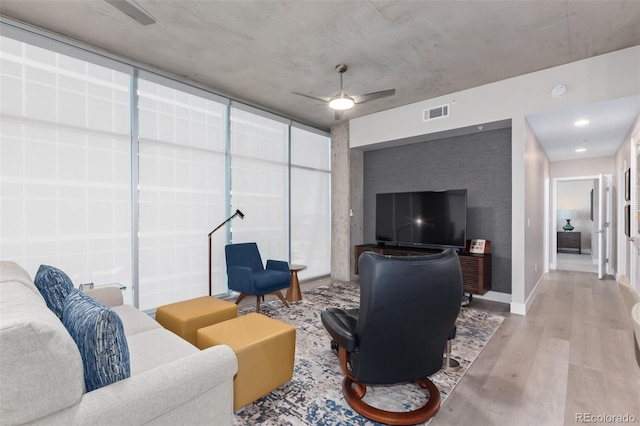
(576, 262)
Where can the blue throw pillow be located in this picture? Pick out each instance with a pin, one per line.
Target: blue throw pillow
(54, 285)
(99, 334)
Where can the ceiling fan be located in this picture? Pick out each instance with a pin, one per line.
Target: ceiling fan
(342, 101)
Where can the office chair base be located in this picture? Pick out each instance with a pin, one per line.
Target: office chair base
(452, 365)
(448, 363)
(354, 392)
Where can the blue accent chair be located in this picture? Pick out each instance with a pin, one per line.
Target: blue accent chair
(247, 274)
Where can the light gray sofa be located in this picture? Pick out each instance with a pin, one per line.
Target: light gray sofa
(41, 371)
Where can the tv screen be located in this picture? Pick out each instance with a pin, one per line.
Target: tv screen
(426, 218)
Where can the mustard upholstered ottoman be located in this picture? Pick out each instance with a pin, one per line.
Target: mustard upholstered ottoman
(265, 348)
(186, 317)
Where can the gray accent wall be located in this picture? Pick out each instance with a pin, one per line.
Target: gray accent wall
(479, 162)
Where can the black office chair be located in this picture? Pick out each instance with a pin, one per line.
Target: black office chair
(408, 308)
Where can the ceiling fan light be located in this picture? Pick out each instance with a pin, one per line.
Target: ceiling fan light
(342, 103)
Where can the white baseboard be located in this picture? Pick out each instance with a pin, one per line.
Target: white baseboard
(522, 308)
(494, 296)
(518, 308)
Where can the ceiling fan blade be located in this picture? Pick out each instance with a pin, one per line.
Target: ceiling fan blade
(374, 95)
(338, 115)
(317, 98)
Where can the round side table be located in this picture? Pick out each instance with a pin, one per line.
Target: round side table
(293, 292)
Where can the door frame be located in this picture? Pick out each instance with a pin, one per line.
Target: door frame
(553, 223)
(604, 228)
(623, 250)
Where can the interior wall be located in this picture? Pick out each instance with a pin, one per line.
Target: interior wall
(584, 167)
(623, 247)
(604, 77)
(599, 78)
(479, 162)
(536, 174)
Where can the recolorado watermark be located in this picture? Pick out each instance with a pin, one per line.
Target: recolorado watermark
(605, 418)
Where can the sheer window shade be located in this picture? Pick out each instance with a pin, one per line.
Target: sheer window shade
(66, 172)
(65, 165)
(181, 192)
(259, 182)
(310, 202)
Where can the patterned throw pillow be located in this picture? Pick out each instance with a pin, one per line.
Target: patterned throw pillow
(54, 285)
(99, 334)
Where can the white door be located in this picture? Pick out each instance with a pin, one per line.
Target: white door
(602, 223)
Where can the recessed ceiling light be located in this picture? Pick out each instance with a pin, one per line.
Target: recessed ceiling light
(581, 149)
(581, 122)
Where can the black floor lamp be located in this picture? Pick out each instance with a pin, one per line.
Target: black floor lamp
(237, 213)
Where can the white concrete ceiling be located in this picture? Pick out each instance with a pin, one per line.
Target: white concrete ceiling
(261, 51)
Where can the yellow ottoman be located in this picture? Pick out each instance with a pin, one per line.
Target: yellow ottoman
(186, 317)
(265, 348)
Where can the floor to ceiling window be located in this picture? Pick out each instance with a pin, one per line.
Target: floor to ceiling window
(65, 164)
(310, 201)
(181, 190)
(259, 181)
(110, 199)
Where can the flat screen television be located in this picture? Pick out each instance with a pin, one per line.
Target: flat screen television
(435, 219)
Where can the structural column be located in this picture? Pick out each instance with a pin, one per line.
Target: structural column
(340, 229)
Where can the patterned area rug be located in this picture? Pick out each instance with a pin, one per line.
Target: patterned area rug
(314, 395)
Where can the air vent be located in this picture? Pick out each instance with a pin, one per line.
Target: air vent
(435, 113)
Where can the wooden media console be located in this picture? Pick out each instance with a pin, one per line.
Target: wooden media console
(476, 268)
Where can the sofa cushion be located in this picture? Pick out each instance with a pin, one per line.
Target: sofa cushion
(271, 280)
(54, 285)
(11, 271)
(134, 320)
(157, 347)
(99, 334)
(40, 364)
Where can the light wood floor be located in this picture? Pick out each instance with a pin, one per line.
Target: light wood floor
(576, 262)
(571, 354)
